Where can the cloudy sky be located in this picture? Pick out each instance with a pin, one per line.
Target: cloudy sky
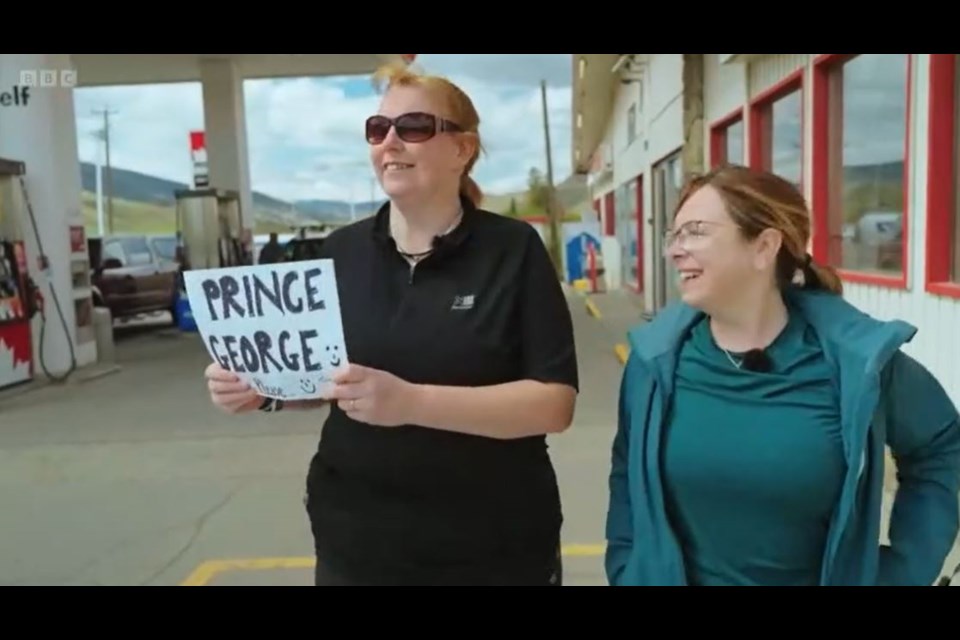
(305, 135)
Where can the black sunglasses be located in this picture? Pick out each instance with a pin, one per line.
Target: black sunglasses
(411, 127)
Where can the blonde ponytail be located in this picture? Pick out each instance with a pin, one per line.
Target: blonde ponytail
(470, 189)
(459, 107)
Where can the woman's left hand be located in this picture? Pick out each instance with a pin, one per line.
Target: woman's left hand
(374, 396)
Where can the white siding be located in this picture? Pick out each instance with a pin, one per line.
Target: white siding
(766, 72)
(665, 111)
(725, 89)
(660, 122)
(659, 133)
(630, 158)
(607, 145)
(665, 124)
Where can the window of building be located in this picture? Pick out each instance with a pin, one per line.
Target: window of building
(943, 173)
(631, 124)
(776, 129)
(860, 123)
(726, 140)
(628, 233)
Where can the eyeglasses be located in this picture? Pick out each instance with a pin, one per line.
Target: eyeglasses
(689, 236)
(411, 127)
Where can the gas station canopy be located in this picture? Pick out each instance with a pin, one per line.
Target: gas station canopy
(44, 251)
(103, 69)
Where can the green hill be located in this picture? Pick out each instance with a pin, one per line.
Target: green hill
(145, 204)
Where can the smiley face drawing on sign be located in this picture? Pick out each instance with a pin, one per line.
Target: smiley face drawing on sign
(308, 386)
(333, 356)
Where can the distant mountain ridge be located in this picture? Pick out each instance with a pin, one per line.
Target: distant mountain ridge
(879, 172)
(140, 187)
(572, 192)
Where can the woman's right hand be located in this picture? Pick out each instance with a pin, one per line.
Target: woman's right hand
(229, 392)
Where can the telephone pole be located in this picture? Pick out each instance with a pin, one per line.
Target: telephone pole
(552, 209)
(106, 113)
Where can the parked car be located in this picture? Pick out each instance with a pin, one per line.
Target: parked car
(132, 276)
(301, 249)
(306, 244)
(164, 247)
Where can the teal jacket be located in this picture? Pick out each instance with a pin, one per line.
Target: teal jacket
(886, 398)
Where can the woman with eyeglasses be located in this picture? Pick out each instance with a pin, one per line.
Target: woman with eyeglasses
(432, 466)
(755, 412)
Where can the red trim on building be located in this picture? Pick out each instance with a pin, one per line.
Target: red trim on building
(609, 214)
(820, 200)
(760, 114)
(941, 174)
(718, 138)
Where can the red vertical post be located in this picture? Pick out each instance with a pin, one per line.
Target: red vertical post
(592, 267)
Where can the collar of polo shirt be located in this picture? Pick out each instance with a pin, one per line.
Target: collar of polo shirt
(449, 240)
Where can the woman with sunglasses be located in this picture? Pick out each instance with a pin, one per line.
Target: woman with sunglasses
(755, 413)
(432, 466)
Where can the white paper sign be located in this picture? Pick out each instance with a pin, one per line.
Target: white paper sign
(277, 326)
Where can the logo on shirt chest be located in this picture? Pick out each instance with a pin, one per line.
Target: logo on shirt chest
(463, 303)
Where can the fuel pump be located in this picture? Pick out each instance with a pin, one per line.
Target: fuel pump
(209, 228)
(19, 298)
(209, 235)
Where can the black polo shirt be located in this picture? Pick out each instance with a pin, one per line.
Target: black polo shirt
(485, 308)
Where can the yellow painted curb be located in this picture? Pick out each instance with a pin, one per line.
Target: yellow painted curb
(207, 571)
(622, 351)
(592, 309)
(210, 569)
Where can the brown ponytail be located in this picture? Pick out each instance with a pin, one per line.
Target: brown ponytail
(825, 278)
(758, 200)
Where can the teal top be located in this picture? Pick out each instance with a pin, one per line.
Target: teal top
(885, 397)
(753, 461)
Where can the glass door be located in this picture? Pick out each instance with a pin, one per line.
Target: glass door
(667, 183)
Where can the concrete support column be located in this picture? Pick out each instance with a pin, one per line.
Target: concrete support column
(38, 127)
(225, 124)
(693, 114)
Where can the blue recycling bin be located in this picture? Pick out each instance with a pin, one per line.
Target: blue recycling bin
(183, 315)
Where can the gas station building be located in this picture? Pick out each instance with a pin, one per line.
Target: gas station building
(870, 139)
(41, 220)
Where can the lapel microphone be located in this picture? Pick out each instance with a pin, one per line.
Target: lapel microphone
(757, 360)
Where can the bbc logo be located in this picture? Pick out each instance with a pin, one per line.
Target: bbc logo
(48, 78)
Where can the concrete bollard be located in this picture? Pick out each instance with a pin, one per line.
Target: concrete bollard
(103, 329)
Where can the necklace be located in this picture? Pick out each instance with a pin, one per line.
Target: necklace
(737, 364)
(417, 257)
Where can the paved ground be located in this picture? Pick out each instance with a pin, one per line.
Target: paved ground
(133, 479)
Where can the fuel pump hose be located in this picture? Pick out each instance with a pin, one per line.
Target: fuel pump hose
(56, 301)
